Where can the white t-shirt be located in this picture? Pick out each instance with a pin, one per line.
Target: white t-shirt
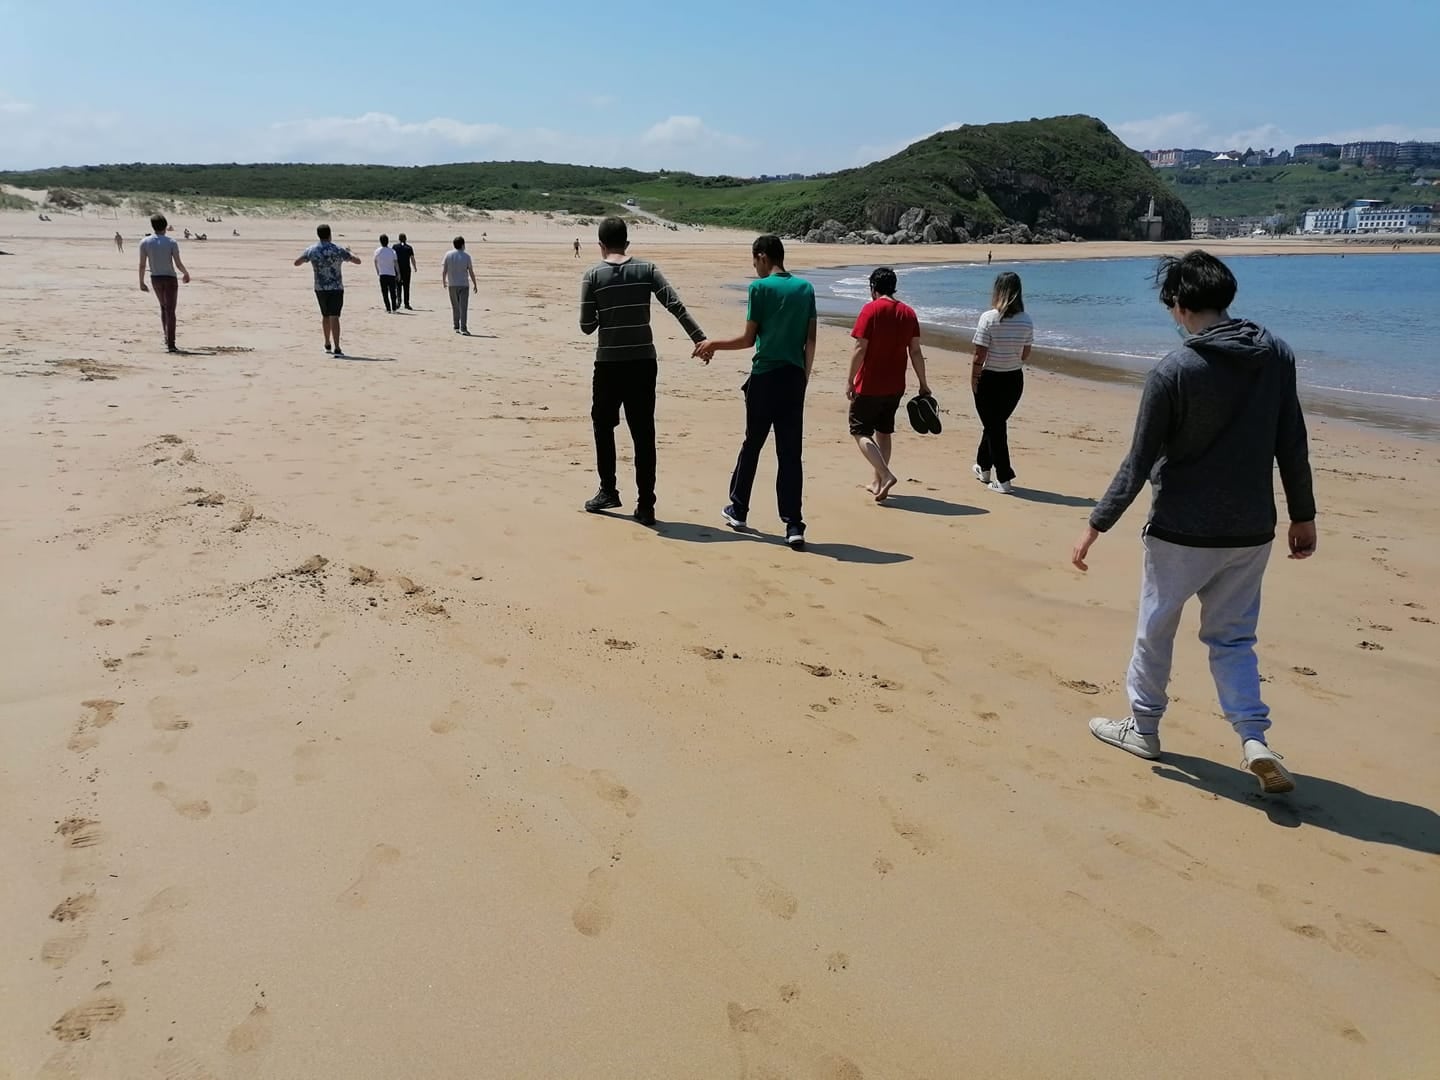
(386, 262)
(457, 269)
(161, 252)
(1006, 339)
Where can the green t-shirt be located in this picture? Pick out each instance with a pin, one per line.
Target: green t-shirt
(782, 305)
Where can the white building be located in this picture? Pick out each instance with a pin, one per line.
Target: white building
(1324, 221)
(1367, 216)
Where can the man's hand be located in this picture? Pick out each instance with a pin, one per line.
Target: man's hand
(1082, 547)
(849, 391)
(924, 390)
(185, 277)
(974, 382)
(143, 286)
(704, 351)
(1302, 539)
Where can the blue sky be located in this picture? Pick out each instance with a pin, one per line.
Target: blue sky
(742, 88)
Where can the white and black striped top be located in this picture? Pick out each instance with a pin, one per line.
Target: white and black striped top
(1007, 339)
(615, 299)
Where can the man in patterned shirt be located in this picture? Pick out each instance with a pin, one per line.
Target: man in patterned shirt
(326, 259)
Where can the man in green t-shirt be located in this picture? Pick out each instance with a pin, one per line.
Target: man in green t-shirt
(780, 324)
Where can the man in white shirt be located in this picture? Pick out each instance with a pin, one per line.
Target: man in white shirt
(453, 270)
(387, 265)
(163, 256)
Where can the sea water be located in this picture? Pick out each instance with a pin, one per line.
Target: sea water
(1362, 327)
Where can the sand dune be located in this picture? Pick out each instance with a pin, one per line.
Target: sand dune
(338, 742)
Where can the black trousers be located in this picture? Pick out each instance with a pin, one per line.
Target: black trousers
(405, 286)
(390, 290)
(775, 400)
(628, 385)
(995, 400)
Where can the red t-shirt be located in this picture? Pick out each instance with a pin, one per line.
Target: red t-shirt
(889, 326)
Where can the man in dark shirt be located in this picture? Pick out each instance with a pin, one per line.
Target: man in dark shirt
(1216, 415)
(615, 300)
(405, 258)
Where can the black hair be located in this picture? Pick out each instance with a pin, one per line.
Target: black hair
(613, 234)
(772, 247)
(1195, 281)
(159, 224)
(883, 280)
(323, 232)
(384, 240)
(459, 243)
(1008, 296)
(401, 238)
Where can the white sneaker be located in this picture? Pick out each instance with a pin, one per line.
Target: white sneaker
(1274, 778)
(1122, 733)
(1002, 486)
(983, 475)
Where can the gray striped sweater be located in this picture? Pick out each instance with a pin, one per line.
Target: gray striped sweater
(615, 299)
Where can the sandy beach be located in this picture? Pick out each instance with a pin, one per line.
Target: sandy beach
(336, 741)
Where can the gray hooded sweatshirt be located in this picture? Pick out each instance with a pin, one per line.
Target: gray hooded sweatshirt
(1214, 416)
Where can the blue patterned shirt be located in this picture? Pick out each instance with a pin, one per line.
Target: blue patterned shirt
(326, 259)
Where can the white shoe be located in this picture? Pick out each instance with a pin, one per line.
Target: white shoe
(1122, 733)
(983, 475)
(1002, 486)
(1274, 778)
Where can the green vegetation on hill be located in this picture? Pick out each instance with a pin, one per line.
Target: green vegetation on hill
(1067, 172)
(1230, 191)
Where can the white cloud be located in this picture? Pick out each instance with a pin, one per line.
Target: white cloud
(689, 131)
(15, 108)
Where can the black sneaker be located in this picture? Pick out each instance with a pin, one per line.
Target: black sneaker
(733, 518)
(602, 500)
(645, 516)
(795, 537)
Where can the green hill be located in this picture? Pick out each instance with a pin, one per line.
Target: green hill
(1067, 173)
(1289, 189)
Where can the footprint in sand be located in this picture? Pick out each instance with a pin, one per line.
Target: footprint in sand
(913, 833)
(184, 804)
(376, 860)
(74, 907)
(594, 913)
(59, 950)
(237, 790)
(157, 924)
(773, 896)
(769, 1047)
(614, 792)
(80, 1022)
(307, 763)
(80, 832)
(165, 715)
(252, 1034)
(172, 1063)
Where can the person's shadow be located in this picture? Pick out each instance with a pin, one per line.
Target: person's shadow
(1317, 802)
(923, 504)
(1050, 498)
(721, 534)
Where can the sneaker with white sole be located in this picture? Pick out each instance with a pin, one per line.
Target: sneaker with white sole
(1274, 778)
(1122, 733)
(795, 537)
(983, 475)
(733, 518)
(1002, 486)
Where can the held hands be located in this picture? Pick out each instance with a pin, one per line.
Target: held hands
(1303, 540)
(1082, 547)
(704, 351)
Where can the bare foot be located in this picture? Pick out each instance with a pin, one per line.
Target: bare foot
(873, 487)
(884, 491)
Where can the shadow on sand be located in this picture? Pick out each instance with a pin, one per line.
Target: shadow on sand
(720, 534)
(923, 504)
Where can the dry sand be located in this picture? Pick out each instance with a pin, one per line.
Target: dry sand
(338, 743)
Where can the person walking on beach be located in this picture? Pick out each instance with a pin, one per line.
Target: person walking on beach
(887, 334)
(119, 243)
(1215, 417)
(453, 270)
(163, 256)
(405, 260)
(780, 325)
(997, 377)
(387, 266)
(615, 300)
(327, 259)
(577, 247)
(989, 257)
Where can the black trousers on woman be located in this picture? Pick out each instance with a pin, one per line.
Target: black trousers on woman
(996, 397)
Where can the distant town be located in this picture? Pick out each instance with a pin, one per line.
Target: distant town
(1417, 159)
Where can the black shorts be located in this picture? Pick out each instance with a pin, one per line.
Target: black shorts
(330, 301)
(872, 414)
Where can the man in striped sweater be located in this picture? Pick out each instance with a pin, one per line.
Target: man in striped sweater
(615, 299)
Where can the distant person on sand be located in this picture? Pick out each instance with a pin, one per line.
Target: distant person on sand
(577, 247)
(615, 300)
(327, 260)
(780, 324)
(163, 256)
(454, 269)
(997, 377)
(387, 266)
(887, 335)
(119, 243)
(1216, 416)
(989, 257)
(405, 260)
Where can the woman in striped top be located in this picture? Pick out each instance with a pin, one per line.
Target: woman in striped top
(997, 377)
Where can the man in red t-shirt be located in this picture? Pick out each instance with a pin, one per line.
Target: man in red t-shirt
(886, 334)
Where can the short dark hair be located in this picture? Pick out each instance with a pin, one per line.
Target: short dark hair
(459, 243)
(323, 232)
(883, 280)
(771, 246)
(1008, 295)
(401, 238)
(159, 224)
(1195, 281)
(384, 240)
(614, 234)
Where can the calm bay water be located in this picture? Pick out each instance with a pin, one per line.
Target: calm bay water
(1362, 327)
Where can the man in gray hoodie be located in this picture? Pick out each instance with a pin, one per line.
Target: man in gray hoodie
(1215, 416)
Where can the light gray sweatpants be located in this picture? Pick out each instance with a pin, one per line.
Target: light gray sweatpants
(460, 306)
(1227, 581)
